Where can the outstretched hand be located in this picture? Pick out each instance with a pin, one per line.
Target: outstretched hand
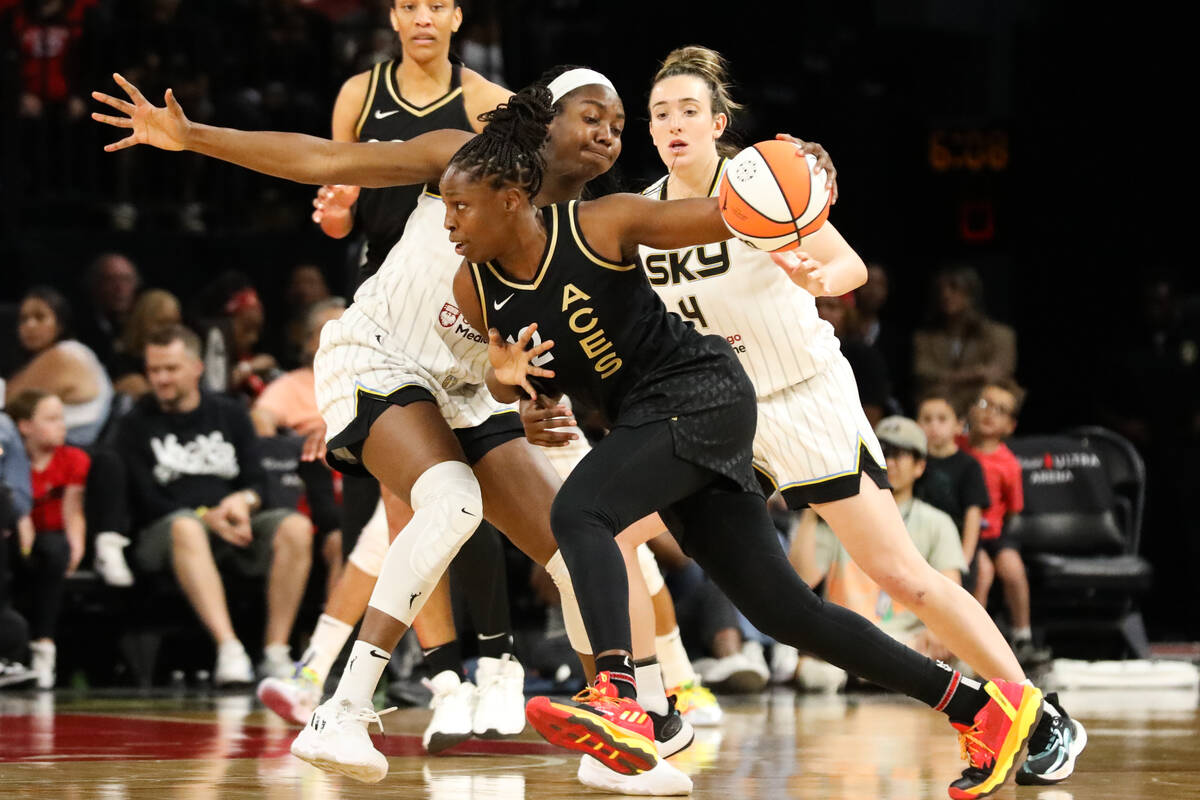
(512, 363)
(805, 271)
(824, 162)
(164, 127)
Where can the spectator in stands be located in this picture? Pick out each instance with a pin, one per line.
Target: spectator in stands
(818, 555)
(61, 365)
(290, 402)
(869, 300)
(952, 480)
(16, 500)
(230, 317)
(154, 310)
(869, 370)
(47, 37)
(58, 473)
(306, 286)
(993, 419)
(197, 483)
(960, 349)
(112, 283)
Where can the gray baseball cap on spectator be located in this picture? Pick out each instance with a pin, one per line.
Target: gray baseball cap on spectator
(904, 433)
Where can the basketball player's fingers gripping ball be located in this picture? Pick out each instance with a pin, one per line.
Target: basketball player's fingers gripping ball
(770, 199)
(824, 162)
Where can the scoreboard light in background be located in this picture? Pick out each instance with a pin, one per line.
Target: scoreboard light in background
(968, 150)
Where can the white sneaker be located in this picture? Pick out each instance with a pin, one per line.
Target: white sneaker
(662, 781)
(233, 665)
(277, 663)
(815, 675)
(739, 673)
(110, 559)
(500, 698)
(784, 661)
(336, 740)
(12, 673)
(42, 663)
(292, 698)
(453, 707)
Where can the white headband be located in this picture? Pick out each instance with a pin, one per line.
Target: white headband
(572, 79)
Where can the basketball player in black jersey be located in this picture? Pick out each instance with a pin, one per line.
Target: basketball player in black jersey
(398, 99)
(681, 413)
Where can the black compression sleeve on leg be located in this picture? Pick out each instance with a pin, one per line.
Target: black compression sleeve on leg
(730, 534)
(478, 571)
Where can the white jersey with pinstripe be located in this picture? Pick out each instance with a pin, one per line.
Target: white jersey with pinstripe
(403, 329)
(811, 425)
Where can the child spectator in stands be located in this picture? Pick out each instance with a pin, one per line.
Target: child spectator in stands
(61, 365)
(953, 481)
(58, 474)
(818, 555)
(993, 419)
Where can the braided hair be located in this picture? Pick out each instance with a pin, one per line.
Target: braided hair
(509, 151)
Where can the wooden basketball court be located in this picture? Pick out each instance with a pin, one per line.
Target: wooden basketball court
(1143, 744)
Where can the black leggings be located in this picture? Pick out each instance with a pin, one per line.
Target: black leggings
(634, 472)
(45, 576)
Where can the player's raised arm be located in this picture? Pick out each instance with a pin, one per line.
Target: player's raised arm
(294, 156)
(633, 219)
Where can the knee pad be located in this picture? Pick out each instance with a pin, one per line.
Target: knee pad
(572, 617)
(650, 571)
(372, 545)
(447, 508)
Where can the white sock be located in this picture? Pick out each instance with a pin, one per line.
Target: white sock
(651, 694)
(1022, 634)
(673, 658)
(363, 671)
(328, 638)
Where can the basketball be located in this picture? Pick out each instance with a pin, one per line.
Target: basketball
(770, 199)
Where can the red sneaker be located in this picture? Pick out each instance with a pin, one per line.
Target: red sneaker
(612, 729)
(996, 742)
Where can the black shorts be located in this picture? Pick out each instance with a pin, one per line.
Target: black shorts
(830, 489)
(344, 451)
(1005, 541)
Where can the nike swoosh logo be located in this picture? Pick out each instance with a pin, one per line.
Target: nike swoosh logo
(378, 654)
(385, 114)
(500, 305)
(468, 513)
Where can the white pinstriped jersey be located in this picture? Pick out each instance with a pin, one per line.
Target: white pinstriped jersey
(412, 297)
(731, 289)
(403, 328)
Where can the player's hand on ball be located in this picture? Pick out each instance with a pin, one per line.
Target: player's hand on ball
(824, 162)
(540, 416)
(805, 271)
(512, 362)
(163, 127)
(334, 201)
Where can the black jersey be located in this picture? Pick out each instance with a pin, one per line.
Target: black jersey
(619, 351)
(380, 214)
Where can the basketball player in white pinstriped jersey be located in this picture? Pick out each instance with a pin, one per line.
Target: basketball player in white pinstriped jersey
(813, 441)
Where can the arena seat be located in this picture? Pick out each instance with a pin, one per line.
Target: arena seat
(1079, 533)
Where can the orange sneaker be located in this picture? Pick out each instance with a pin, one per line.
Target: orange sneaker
(612, 729)
(996, 742)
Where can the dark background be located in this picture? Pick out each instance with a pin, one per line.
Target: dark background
(1038, 141)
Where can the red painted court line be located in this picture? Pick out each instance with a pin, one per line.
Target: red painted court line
(94, 737)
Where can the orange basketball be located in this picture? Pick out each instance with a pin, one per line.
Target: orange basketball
(770, 197)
